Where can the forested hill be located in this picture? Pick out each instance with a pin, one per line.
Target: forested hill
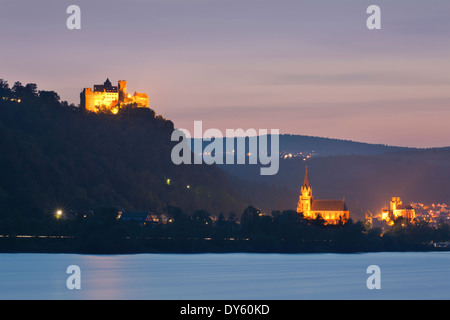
(55, 156)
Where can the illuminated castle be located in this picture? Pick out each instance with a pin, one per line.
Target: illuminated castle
(332, 211)
(107, 97)
(397, 209)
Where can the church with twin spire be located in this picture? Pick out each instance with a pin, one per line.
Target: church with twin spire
(332, 211)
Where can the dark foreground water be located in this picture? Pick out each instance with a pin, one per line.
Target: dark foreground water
(226, 276)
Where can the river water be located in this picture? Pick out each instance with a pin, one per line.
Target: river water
(424, 275)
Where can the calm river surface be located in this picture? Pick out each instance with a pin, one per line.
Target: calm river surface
(226, 276)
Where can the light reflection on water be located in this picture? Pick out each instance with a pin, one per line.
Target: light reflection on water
(226, 276)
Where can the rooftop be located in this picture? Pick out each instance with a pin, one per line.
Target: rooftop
(328, 205)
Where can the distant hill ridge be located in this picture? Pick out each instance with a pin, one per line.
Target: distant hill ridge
(320, 146)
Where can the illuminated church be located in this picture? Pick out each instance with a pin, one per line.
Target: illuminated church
(106, 97)
(332, 211)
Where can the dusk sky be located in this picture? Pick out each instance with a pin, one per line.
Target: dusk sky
(303, 67)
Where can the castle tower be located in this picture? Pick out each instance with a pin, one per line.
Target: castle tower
(305, 200)
(122, 90)
(395, 202)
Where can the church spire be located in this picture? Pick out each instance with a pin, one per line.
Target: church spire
(306, 197)
(306, 181)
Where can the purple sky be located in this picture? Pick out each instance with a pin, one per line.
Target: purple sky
(303, 67)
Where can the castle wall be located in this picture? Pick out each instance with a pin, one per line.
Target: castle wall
(141, 101)
(93, 101)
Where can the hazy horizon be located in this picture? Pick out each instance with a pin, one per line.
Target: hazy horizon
(303, 67)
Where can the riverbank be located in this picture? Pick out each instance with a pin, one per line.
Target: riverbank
(56, 244)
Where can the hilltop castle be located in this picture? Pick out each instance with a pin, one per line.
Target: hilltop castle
(332, 211)
(107, 97)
